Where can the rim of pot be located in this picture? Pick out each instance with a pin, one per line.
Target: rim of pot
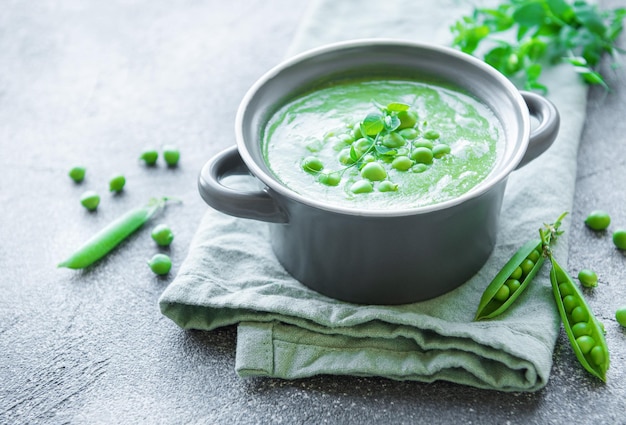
(503, 167)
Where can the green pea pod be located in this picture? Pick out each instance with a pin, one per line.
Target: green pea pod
(112, 235)
(584, 331)
(499, 296)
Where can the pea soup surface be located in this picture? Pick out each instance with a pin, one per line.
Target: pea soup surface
(382, 144)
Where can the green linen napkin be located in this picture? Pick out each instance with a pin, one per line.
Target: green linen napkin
(288, 331)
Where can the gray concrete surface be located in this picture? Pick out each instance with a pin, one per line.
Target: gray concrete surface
(93, 83)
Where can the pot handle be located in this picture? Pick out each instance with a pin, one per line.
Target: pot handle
(257, 205)
(541, 137)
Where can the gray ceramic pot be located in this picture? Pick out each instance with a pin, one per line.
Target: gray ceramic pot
(378, 257)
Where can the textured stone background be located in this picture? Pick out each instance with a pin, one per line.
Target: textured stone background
(93, 83)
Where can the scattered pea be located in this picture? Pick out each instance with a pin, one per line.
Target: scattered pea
(619, 238)
(77, 174)
(387, 186)
(160, 264)
(402, 163)
(423, 144)
(90, 200)
(393, 140)
(422, 155)
(419, 168)
(598, 220)
(407, 119)
(441, 150)
(162, 234)
(373, 171)
(117, 183)
(588, 278)
(409, 133)
(362, 186)
(432, 135)
(149, 156)
(330, 179)
(312, 165)
(620, 316)
(171, 155)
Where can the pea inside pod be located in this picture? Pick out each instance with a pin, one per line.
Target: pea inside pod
(511, 281)
(583, 330)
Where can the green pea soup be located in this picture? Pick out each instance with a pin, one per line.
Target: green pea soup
(464, 137)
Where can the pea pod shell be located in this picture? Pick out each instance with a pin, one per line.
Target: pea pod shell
(488, 308)
(109, 237)
(558, 275)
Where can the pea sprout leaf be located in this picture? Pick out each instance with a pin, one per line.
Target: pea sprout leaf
(373, 124)
(521, 37)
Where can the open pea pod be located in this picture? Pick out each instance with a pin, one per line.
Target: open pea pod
(584, 331)
(511, 281)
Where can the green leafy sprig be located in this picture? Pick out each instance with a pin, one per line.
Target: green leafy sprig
(543, 32)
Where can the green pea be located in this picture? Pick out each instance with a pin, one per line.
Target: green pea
(171, 155)
(513, 284)
(517, 273)
(503, 293)
(441, 150)
(373, 171)
(597, 355)
(409, 133)
(620, 316)
(149, 156)
(569, 303)
(585, 343)
(588, 278)
(361, 146)
(619, 238)
(527, 265)
(580, 329)
(117, 183)
(566, 289)
(162, 234)
(407, 119)
(160, 264)
(422, 144)
(387, 186)
(329, 179)
(419, 168)
(348, 139)
(534, 256)
(356, 132)
(77, 174)
(402, 163)
(345, 158)
(362, 186)
(90, 200)
(598, 220)
(393, 140)
(312, 165)
(422, 155)
(579, 314)
(432, 135)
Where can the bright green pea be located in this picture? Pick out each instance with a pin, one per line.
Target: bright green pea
(162, 234)
(312, 165)
(356, 132)
(517, 273)
(619, 238)
(393, 140)
(502, 294)
(402, 163)
(373, 171)
(361, 146)
(527, 265)
(513, 284)
(329, 179)
(387, 186)
(534, 256)
(585, 343)
(580, 329)
(171, 155)
(620, 316)
(419, 168)
(344, 157)
(408, 119)
(579, 314)
(598, 220)
(149, 156)
(117, 183)
(422, 144)
(422, 155)
(409, 133)
(569, 303)
(160, 264)
(588, 278)
(77, 174)
(90, 200)
(432, 135)
(441, 150)
(597, 355)
(565, 289)
(362, 186)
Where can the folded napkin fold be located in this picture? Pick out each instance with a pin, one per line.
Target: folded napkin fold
(288, 331)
